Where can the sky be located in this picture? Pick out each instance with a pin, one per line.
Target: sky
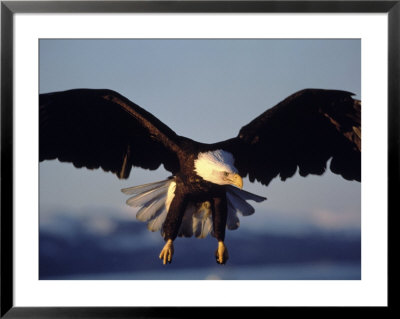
(205, 90)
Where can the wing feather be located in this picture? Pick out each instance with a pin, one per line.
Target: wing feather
(101, 128)
(301, 133)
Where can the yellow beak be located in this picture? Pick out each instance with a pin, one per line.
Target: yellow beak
(236, 180)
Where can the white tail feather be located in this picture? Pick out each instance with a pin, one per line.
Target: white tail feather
(148, 212)
(186, 229)
(244, 194)
(154, 200)
(143, 199)
(156, 223)
(232, 220)
(240, 204)
(202, 222)
(139, 189)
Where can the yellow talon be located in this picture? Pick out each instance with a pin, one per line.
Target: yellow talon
(222, 253)
(167, 252)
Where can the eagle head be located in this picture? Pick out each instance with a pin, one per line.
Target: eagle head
(217, 167)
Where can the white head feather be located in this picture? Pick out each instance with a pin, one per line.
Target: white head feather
(211, 166)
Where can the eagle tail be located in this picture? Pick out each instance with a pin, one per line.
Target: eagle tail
(154, 199)
(139, 189)
(237, 203)
(151, 199)
(245, 195)
(197, 220)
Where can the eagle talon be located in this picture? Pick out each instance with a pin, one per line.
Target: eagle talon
(167, 252)
(221, 254)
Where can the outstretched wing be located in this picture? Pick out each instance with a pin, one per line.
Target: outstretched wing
(303, 131)
(101, 128)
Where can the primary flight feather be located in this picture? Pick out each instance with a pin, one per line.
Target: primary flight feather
(101, 128)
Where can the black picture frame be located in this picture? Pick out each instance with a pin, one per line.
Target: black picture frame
(9, 8)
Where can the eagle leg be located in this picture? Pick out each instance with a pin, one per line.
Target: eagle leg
(167, 252)
(172, 223)
(219, 214)
(221, 254)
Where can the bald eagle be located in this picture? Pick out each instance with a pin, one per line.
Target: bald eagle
(96, 128)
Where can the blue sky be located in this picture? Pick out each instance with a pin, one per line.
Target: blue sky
(205, 90)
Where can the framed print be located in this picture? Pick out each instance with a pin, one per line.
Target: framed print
(125, 89)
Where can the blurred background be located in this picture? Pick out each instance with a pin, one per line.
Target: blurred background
(309, 228)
